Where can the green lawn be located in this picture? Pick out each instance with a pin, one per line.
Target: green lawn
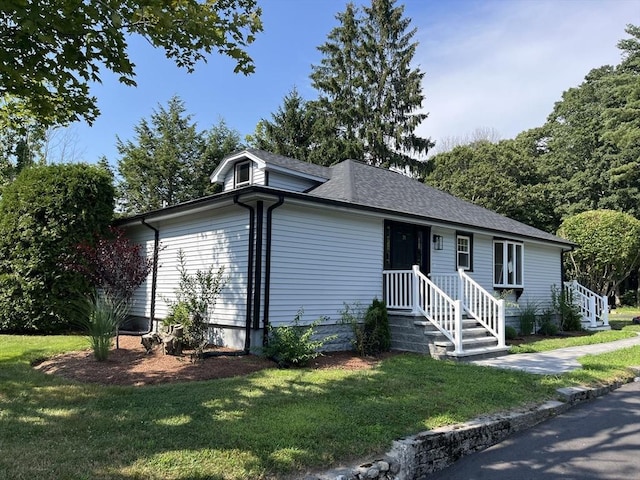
(621, 316)
(546, 344)
(264, 425)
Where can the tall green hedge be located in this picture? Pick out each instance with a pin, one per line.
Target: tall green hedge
(44, 213)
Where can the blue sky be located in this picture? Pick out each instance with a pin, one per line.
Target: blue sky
(498, 64)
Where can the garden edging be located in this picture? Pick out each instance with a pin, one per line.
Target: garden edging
(419, 455)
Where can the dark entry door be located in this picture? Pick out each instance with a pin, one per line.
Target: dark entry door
(406, 245)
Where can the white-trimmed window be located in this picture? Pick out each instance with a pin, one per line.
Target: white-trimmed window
(463, 252)
(242, 174)
(508, 262)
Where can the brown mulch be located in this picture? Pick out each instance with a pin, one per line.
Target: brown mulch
(131, 365)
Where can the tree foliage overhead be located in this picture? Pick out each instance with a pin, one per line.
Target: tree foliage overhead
(499, 176)
(44, 213)
(608, 248)
(51, 49)
(290, 132)
(585, 156)
(170, 161)
(369, 96)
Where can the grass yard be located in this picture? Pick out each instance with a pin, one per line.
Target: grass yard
(621, 316)
(265, 425)
(546, 344)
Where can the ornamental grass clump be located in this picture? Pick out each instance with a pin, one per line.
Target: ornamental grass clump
(101, 317)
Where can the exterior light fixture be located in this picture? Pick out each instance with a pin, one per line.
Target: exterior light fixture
(437, 242)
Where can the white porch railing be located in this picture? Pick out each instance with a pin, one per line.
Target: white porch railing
(479, 304)
(592, 307)
(412, 290)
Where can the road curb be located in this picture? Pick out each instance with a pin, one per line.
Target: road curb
(419, 455)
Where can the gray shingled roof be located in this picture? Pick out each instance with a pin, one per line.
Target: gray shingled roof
(361, 184)
(291, 163)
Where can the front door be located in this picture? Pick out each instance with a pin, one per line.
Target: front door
(406, 245)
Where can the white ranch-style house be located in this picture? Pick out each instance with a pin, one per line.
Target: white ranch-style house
(293, 235)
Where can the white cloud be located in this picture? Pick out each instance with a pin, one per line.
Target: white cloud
(506, 63)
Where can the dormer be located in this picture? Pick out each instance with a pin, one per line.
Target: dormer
(257, 167)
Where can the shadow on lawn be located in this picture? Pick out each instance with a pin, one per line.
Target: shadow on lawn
(263, 425)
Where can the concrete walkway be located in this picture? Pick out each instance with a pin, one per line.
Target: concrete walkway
(554, 361)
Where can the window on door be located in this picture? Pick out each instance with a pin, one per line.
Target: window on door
(464, 243)
(508, 260)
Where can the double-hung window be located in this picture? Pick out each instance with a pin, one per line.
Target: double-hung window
(508, 261)
(242, 174)
(464, 243)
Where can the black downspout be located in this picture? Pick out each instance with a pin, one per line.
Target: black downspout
(267, 270)
(258, 283)
(247, 340)
(154, 274)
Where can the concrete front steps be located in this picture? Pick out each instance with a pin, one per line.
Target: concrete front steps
(416, 334)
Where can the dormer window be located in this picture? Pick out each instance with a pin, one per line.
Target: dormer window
(242, 174)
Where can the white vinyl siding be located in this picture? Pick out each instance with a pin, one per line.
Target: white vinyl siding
(257, 177)
(543, 272)
(216, 238)
(291, 183)
(322, 259)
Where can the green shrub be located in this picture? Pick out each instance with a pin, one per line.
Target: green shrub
(353, 315)
(292, 345)
(570, 317)
(527, 318)
(546, 324)
(44, 214)
(370, 328)
(178, 313)
(377, 334)
(510, 332)
(196, 298)
(629, 298)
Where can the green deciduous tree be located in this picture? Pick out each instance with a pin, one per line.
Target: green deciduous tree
(502, 177)
(170, 160)
(608, 248)
(44, 214)
(51, 49)
(592, 138)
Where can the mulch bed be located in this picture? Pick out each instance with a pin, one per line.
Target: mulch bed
(131, 365)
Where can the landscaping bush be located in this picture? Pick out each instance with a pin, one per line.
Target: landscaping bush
(377, 334)
(510, 332)
(44, 214)
(292, 345)
(546, 324)
(570, 318)
(112, 263)
(629, 298)
(195, 302)
(527, 318)
(370, 328)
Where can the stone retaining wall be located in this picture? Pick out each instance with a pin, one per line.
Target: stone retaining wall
(419, 455)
